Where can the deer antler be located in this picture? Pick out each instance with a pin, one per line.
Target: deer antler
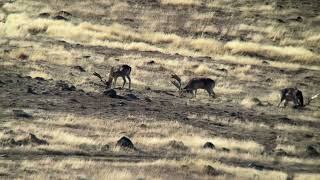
(99, 76)
(176, 83)
(312, 98)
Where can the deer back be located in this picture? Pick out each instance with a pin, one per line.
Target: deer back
(200, 83)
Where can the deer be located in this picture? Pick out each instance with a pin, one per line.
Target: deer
(123, 71)
(295, 95)
(194, 84)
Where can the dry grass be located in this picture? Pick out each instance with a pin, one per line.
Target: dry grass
(293, 53)
(182, 2)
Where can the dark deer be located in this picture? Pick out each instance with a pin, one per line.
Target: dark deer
(294, 95)
(194, 84)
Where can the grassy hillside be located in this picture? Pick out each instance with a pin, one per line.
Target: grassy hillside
(251, 48)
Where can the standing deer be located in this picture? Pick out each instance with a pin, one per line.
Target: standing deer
(115, 72)
(295, 95)
(194, 84)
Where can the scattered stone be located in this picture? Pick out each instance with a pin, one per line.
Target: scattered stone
(280, 152)
(147, 99)
(79, 68)
(225, 149)
(18, 113)
(44, 15)
(209, 145)
(62, 85)
(64, 13)
(313, 151)
(31, 91)
(22, 56)
(309, 135)
(35, 140)
(209, 170)
(143, 126)
(39, 78)
(147, 88)
(259, 167)
(268, 80)
(177, 145)
(30, 140)
(125, 142)
(132, 97)
(151, 62)
(280, 20)
(105, 147)
(59, 17)
(111, 93)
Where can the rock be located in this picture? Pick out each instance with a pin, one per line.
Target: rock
(259, 167)
(39, 78)
(18, 113)
(22, 56)
(143, 126)
(147, 99)
(225, 149)
(79, 68)
(35, 140)
(30, 90)
(44, 15)
(209, 145)
(59, 17)
(280, 152)
(147, 88)
(64, 13)
(177, 145)
(111, 93)
(125, 142)
(64, 86)
(151, 62)
(105, 147)
(313, 151)
(209, 170)
(280, 20)
(132, 97)
(31, 139)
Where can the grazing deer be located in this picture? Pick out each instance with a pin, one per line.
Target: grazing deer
(295, 95)
(194, 84)
(115, 72)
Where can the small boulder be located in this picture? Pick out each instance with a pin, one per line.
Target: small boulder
(33, 139)
(44, 15)
(105, 147)
(313, 151)
(59, 17)
(280, 152)
(30, 90)
(64, 86)
(177, 145)
(151, 62)
(125, 143)
(209, 145)
(225, 149)
(111, 93)
(79, 68)
(18, 113)
(209, 170)
(132, 97)
(147, 99)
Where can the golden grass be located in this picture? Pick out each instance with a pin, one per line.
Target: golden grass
(250, 102)
(293, 53)
(42, 74)
(182, 2)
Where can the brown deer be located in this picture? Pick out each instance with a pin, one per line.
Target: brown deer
(295, 95)
(115, 72)
(194, 84)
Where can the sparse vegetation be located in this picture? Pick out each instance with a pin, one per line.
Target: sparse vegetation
(251, 49)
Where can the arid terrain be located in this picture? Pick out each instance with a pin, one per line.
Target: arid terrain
(57, 120)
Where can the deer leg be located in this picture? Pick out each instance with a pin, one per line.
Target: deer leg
(124, 81)
(129, 81)
(211, 93)
(281, 100)
(195, 93)
(285, 103)
(115, 82)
